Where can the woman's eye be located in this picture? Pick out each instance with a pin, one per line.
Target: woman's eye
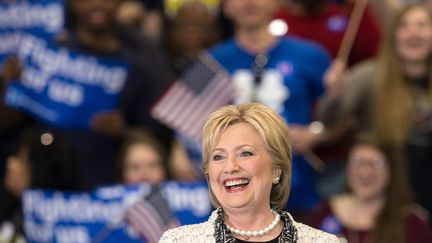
(246, 153)
(217, 157)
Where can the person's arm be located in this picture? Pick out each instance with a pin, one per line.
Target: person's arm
(111, 123)
(10, 118)
(306, 136)
(338, 113)
(329, 109)
(345, 109)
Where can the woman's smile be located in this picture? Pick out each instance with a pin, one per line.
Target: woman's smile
(236, 184)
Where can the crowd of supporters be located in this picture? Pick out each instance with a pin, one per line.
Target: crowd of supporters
(295, 56)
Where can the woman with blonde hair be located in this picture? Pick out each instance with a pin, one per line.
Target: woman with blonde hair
(247, 162)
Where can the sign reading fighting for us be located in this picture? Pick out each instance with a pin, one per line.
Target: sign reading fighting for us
(64, 88)
(102, 216)
(45, 17)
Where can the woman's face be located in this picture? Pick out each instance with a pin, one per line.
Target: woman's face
(240, 169)
(414, 36)
(143, 164)
(367, 172)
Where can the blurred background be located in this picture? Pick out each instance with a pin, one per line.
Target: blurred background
(102, 102)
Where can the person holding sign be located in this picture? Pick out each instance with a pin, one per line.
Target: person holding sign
(43, 160)
(96, 33)
(247, 162)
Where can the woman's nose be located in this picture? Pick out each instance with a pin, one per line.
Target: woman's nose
(231, 165)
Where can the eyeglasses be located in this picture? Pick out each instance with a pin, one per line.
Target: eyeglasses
(357, 163)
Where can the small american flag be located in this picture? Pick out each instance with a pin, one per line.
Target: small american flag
(203, 88)
(151, 217)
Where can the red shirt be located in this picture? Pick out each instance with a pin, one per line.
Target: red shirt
(328, 29)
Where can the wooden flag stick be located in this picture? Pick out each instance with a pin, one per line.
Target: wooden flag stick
(314, 161)
(352, 29)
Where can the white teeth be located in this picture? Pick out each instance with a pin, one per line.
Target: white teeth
(236, 182)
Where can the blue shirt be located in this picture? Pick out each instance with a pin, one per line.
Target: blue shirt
(291, 81)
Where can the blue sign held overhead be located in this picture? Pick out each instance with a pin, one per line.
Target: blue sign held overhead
(64, 88)
(44, 17)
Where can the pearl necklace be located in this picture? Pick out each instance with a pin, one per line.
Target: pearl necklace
(255, 233)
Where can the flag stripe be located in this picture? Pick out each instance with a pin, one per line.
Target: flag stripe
(182, 109)
(140, 225)
(199, 107)
(146, 221)
(213, 100)
(163, 107)
(189, 100)
(151, 219)
(205, 106)
(226, 95)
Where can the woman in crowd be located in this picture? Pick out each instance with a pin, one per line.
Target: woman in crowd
(143, 159)
(393, 95)
(247, 162)
(377, 206)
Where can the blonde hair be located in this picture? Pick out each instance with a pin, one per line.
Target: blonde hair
(272, 129)
(392, 118)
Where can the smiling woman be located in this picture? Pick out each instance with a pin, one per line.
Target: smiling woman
(377, 206)
(247, 162)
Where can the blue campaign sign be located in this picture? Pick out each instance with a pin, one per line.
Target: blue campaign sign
(101, 216)
(189, 201)
(9, 42)
(64, 88)
(44, 17)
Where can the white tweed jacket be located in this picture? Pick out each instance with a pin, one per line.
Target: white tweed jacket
(203, 233)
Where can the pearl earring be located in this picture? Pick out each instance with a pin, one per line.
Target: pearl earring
(276, 180)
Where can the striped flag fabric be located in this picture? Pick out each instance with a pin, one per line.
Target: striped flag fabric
(203, 88)
(151, 216)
